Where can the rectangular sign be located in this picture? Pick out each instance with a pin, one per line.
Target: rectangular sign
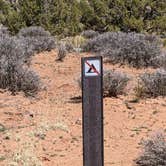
(92, 105)
(92, 67)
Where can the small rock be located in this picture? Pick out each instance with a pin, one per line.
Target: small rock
(7, 138)
(78, 121)
(31, 115)
(127, 105)
(41, 135)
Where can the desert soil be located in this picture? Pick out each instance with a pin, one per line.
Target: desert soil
(47, 130)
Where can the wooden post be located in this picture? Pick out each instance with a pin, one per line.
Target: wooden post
(92, 105)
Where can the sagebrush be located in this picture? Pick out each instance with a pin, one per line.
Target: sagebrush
(134, 49)
(28, 49)
(152, 84)
(37, 38)
(114, 83)
(3, 30)
(154, 151)
(27, 81)
(33, 31)
(89, 34)
(160, 61)
(14, 75)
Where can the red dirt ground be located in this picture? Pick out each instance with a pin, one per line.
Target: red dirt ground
(47, 130)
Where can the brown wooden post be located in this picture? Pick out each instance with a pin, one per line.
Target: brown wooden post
(92, 104)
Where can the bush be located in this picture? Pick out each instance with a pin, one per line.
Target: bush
(27, 48)
(27, 81)
(69, 47)
(78, 42)
(89, 34)
(3, 30)
(62, 51)
(20, 79)
(73, 44)
(154, 153)
(114, 83)
(164, 42)
(160, 61)
(37, 38)
(153, 85)
(11, 54)
(98, 43)
(33, 31)
(13, 74)
(134, 49)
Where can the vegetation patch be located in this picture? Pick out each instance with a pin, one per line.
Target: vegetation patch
(160, 61)
(152, 85)
(154, 151)
(134, 49)
(14, 75)
(37, 39)
(114, 83)
(89, 34)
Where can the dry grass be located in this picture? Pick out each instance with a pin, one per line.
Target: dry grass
(25, 156)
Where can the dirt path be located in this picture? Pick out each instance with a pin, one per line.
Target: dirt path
(47, 130)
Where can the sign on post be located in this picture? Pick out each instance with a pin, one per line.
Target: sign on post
(92, 104)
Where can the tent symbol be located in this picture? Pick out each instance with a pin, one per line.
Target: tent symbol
(92, 68)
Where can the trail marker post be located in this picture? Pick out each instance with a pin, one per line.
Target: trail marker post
(92, 105)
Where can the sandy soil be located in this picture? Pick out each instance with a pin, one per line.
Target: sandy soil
(47, 130)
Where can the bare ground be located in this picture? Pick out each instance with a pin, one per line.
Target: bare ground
(47, 130)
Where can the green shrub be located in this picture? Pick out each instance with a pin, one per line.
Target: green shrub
(69, 18)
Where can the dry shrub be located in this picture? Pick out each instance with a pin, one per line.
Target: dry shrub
(3, 30)
(164, 42)
(154, 152)
(26, 80)
(134, 49)
(152, 85)
(13, 73)
(74, 43)
(89, 34)
(62, 51)
(114, 83)
(28, 49)
(78, 41)
(160, 61)
(37, 38)
(11, 54)
(33, 31)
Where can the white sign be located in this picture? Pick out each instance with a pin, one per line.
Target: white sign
(92, 67)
